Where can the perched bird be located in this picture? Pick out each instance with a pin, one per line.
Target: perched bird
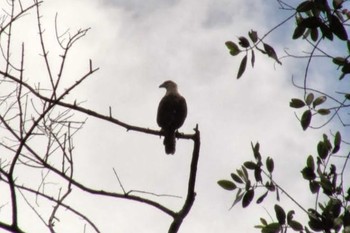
(172, 112)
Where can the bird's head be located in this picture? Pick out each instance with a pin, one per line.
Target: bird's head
(170, 86)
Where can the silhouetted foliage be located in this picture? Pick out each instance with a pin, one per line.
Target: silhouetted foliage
(317, 23)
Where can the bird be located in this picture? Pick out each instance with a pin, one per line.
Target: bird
(171, 114)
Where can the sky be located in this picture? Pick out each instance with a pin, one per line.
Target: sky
(138, 45)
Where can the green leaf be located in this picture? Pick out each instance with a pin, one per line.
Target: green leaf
(261, 198)
(310, 163)
(233, 47)
(323, 111)
(226, 184)
(270, 164)
(306, 119)
(305, 6)
(296, 226)
(346, 68)
(248, 197)
(242, 66)
(296, 103)
(263, 221)
(250, 165)
(347, 96)
(244, 42)
(280, 214)
(319, 100)
(337, 141)
(253, 35)
(309, 98)
(236, 178)
(272, 228)
(271, 53)
(337, 28)
(238, 198)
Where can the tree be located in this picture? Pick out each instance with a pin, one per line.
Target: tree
(320, 24)
(38, 125)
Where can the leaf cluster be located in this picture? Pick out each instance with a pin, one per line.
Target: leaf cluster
(331, 216)
(251, 45)
(335, 213)
(249, 178)
(317, 17)
(313, 107)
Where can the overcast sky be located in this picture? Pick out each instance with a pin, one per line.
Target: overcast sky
(139, 44)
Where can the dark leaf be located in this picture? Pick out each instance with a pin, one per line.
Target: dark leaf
(340, 61)
(308, 173)
(346, 68)
(310, 163)
(256, 152)
(253, 58)
(314, 186)
(309, 98)
(253, 35)
(326, 32)
(226, 184)
(322, 150)
(346, 219)
(236, 178)
(257, 174)
(250, 165)
(280, 214)
(290, 216)
(248, 197)
(271, 53)
(305, 6)
(323, 111)
(261, 199)
(306, 119)
(298, 32)
(347, 96)
(326, 185)
(315, 224)
(296, 103)
(337, 28)
(337, 141)
(242, 66)
(296, 226)
(243, 42)
(319, 100)
(270, 164)
(314, 34)
(233, 47)
(311, 22)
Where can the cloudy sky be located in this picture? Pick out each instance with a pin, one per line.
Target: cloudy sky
(139, 44)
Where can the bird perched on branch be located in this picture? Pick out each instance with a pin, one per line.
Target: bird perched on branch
(172, 112)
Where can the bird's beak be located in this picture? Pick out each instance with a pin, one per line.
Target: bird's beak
(161, 85)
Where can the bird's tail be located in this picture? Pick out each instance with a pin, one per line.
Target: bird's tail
(169, 142)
